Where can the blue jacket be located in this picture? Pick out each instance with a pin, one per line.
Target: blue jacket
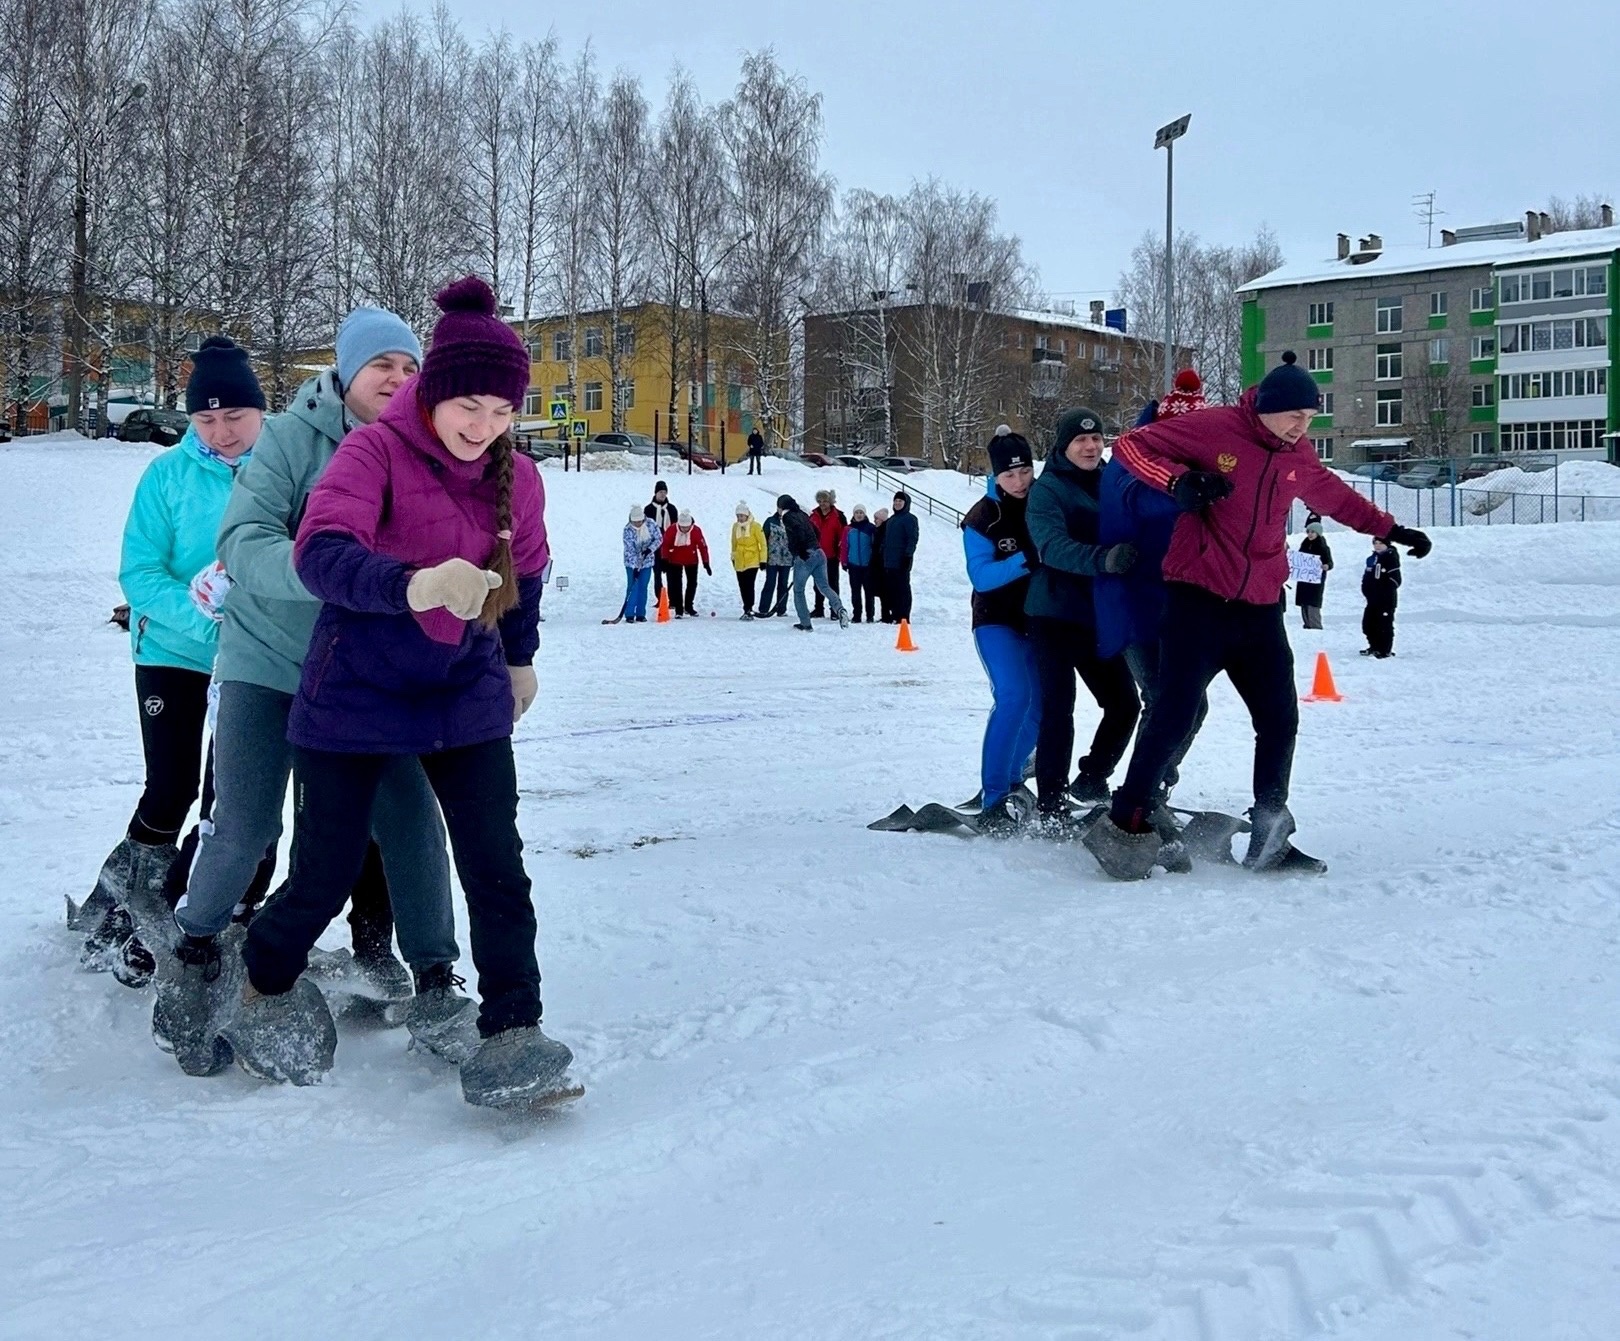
(641, 552)
(1130, 606)
(858, 544)
(168, 540)
(1000, 558)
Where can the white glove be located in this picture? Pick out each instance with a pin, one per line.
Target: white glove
(525, 687)
(456, 585)
(209, 590)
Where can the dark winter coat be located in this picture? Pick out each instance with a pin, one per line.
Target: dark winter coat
(664, 515)
(1310, 593)
(1130, 605)
(1064, 513)
(857, 550)
(879, 531)
(1236, 548)
(900, 535)
(1381, 579)
(830, 527)
(1000, 557)
(756, 444)
(776, 550)
(802, 540)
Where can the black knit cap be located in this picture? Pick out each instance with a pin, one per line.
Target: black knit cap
(222, 379)
(1074, 424)
(1287, 387)
(1009, 450)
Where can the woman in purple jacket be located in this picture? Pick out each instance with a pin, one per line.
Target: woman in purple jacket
(425, 539)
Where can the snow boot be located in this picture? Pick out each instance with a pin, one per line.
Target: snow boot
(843, 618)
(440, 1018)
(1088, 789)
(1173, 855)
(1008, 816)
(108, 892)
(153, 922)
(1295, 862)
(1122, 854)
(512, 1067)
(388, 979)
(283, 1038)
(1269, 831)
(196, 984)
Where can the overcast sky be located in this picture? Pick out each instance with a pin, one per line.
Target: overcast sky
(1312, 118)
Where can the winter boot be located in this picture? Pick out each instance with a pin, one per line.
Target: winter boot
(1269, 831)
(843, 618)
(1173, 855)
(153, 920)
(109, 889)
(290, 1037)
(387, 978)
(196, 984)
(513, 1066)
(1088, 789)
(439, 1017)
(1125, 854)
(1008, 816)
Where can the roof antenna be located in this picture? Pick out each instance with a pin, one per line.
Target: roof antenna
(1423, 207)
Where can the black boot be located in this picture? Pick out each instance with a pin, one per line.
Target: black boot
(1126, 852)
(1270, 827)
(191, 998)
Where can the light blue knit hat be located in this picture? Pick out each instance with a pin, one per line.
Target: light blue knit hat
(368, 332)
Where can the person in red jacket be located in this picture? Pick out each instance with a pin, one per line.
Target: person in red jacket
(681, 551)
(1235, 471)
(830, 524)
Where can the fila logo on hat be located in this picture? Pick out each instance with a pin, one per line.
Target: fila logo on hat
(213, 402)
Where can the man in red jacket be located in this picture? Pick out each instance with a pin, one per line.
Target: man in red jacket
(830, 523)
(1235, 471)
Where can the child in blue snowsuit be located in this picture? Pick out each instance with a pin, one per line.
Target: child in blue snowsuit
(1000, 558)
(641, 540)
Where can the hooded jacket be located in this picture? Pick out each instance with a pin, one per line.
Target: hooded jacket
(859, 539)
(1063, 525)
(169, 539)
(830, 527)
(900, 534)
(1381, 579)
(380, 677)
(1000, 558)
(685, 552)
(802, 540)
(1130, 605)
(1235, 548)
(748, 548)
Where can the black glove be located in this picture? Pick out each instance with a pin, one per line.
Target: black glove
(1118, 558)
(1417, 544)
(1197, 489)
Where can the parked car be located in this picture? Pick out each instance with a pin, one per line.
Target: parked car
(1478, 469)
(701, 459)
(537, 448)
(817, 459)
(163, 427)
(1377, 470)
(637, 444)
(1424, 475)
(854, 460)
(903, 465)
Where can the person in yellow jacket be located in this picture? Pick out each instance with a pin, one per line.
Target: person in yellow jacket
(747, 555)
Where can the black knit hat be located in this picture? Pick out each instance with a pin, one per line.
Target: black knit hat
(222, 379)
(1009, 450)
(1287, 387)
(1074, 424)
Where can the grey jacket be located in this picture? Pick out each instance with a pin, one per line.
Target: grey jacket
(269, 615)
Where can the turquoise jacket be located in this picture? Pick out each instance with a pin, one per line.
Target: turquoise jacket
(269, 614)
(168, 540)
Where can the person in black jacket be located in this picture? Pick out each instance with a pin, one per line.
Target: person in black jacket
(899, 545)
(1380, 584)
(1063, 518)
(876, 578)
(809, 564)
(1308, 595)
(756, 453)
(663, 514)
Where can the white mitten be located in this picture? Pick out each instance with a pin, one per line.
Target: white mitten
(209, 590)
(456, 585)
(525, 686)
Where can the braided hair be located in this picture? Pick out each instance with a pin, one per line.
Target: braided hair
(505, 596)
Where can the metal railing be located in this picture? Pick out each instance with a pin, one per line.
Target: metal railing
(920, 501)
(1474, 504)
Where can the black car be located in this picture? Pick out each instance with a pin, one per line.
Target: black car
(164, 427)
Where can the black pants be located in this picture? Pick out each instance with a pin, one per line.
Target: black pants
(1143, 661)
(745, 588)
(897, 588)
(1203, 636)
(755, 465)
(683, 603)
(1063, 649)
(877, 577)
(1378, 627)
(477, 790)
(861, 594)
(832, 581)
(173, 705)
(773, 601)
(658, 579)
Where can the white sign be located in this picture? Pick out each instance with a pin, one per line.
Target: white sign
(1304, 567)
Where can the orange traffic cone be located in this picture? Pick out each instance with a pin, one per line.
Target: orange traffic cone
(904, 643)
(1323, 689)
(663, 605)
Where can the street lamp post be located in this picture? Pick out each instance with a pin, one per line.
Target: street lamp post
(1166, 140)
(703, 274)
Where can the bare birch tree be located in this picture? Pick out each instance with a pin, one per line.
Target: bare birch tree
(620, 153)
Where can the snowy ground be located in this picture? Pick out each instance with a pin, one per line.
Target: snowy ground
(851, 1085)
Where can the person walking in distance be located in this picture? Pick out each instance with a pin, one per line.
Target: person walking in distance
(876, 577)
(856, 554)
(1308, 595)
(756, 453)
(1235, 471)
(1063, 518)
(683, 549)
(829, 520)
(900, 535)
(663, 515)
(809, 564)
(748, 553)
(642, 541)
(426, 539)
(1380, 586)
(778, 565)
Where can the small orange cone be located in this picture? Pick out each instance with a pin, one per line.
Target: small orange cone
(663, 606)
(904, 643)
(1323, 689)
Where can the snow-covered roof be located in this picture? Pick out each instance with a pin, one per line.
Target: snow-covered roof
(1407, 260)
(1067, 320)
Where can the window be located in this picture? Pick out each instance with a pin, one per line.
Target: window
(1389, 409)
(1321, 314)
(1081, 351)
(1320, 359)
(1570, 382)
(561, 391)
(1439, 351)
(1484, 394)
(593, 396)
(1595, 278)
(1479, 300)
(534, 403)
(1531, 337)
(1040, 343)
(624, 338)
(537, 350)
(1574, 435)
(1509, 285)
(1482, 441)
(1437, 304)
(1389, 316)
(1581, 281)
(1324, 448)
(627, 394)
(562, 347)
(1389, 363)
(1327, 404)
(593, 342)
(1482, 347)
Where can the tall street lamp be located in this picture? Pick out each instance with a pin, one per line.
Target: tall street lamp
(703, 274)
(1166, 140)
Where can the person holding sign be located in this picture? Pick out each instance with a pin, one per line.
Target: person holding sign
(1310, 578)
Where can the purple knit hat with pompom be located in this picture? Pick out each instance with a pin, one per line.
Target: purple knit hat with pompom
(474, 352)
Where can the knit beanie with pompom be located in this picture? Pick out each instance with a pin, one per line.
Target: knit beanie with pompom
(474, 352)
(1186, 395)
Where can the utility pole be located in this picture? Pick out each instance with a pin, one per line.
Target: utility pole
(703, 274)
(1166, 140)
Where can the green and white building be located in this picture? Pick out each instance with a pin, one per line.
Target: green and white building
(1500, 341)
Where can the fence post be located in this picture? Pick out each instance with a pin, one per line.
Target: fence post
(1513, 507)
(722, 446)
(656, 436)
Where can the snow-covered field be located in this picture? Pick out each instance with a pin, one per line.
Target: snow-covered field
(851, 1085)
